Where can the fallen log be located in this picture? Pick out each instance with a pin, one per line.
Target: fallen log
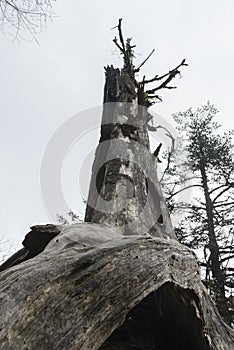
(95, 288)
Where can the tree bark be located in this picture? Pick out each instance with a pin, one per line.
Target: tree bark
(129, 285)
(124, 189)
(214, 260)
(92, 280)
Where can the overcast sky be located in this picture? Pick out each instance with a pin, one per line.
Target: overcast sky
(44, 85)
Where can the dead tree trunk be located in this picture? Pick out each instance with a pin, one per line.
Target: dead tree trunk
(124, 189)
(121, 281)
(94, 288)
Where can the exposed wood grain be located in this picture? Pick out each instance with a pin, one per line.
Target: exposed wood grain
(81, 288)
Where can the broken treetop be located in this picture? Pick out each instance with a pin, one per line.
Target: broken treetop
(124, 189)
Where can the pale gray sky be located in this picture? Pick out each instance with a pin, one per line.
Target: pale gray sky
(43, 85)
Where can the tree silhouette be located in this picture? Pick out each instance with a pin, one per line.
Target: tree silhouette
(208, 223)
(22, 17)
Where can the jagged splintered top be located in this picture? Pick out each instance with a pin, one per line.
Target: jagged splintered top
(150, 95)
(124, 189)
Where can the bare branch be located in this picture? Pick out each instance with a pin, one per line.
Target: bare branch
(169, 76)
(121, 35)
(138, 68)
(117, 44)
(222, 192)
(217, 188)
(20, 18)
(157, 78)
(183, 189)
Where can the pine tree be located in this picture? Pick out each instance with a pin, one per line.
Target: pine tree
(208, 221)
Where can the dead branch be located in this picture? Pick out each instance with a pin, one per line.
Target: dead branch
(126, 50)
(169, 76)
(138, 68)
(121, 39)
(115, 40)
(156, 152)
(121, 35)
(157, 78)
(172, 148)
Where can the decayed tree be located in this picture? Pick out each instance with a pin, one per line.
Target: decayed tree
(24, 15)
(208, 222)
(121, 280)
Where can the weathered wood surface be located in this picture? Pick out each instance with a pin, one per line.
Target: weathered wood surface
(83, 286)
(34, 243)
(124, 188)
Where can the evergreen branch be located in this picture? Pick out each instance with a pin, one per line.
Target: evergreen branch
(217, 188)
(226, 258)
(222, 192)
(224, 204)
(183, 189)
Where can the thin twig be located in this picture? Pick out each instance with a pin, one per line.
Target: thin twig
(117, 44)
(138, 68)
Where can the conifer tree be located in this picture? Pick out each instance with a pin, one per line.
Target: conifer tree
(208, 221)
